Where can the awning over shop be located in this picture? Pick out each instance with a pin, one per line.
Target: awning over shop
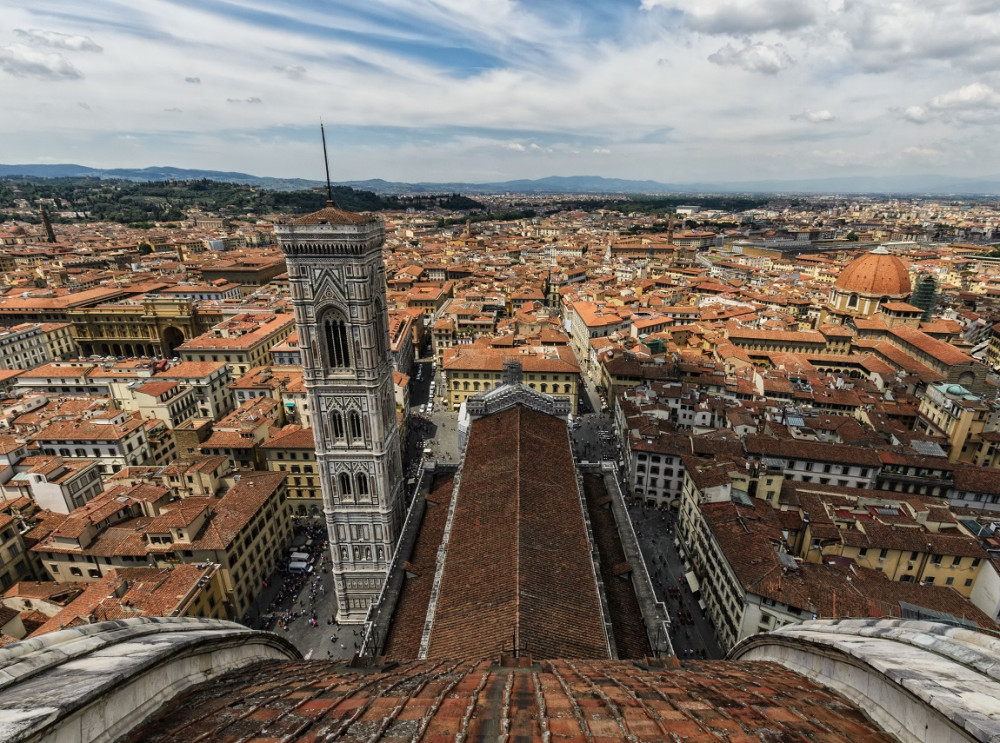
(692, 581)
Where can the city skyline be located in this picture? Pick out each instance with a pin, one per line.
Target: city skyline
(489, 90)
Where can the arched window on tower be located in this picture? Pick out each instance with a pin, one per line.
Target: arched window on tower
(345, 484)
(361, 480)
(852, 301)
(337, 349)
(338, 424)
(354, 420)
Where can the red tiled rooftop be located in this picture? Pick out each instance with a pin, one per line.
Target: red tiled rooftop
(191, 369)
(403, 641)
(330, 214)
(599, 701)
(631, 640)
(518, 563)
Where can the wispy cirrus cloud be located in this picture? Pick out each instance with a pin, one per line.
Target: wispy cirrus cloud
(470, 89)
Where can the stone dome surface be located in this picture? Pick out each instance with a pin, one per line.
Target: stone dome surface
(174, 680)
(878, 273)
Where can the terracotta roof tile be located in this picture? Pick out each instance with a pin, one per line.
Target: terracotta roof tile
(595, 701)
(524, 511)
(631, 640)
(403, 642)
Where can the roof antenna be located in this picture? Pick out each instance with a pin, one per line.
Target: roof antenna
(326, 162)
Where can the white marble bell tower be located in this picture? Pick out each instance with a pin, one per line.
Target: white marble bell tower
(337, 278)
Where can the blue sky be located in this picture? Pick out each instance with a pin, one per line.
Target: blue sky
(484, 90)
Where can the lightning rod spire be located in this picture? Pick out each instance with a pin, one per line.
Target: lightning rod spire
(326, 162)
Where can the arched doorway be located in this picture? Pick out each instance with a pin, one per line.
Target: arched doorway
(172, 337)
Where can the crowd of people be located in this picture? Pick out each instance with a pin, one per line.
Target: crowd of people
(281, 610)
(591, 439)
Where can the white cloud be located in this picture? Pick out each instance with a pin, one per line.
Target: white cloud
(601, 151)
(889, 35)
(755, 57)
(741, 16)
(973, 96)
(514, 146)
(252, 100)
(819, 116)
(873, 35)
(972, 104)
(23, 61)
(295, 72)
(916, 114)
(923, 153)
(69, 42)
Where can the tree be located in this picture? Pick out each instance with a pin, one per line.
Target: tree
(852, 236)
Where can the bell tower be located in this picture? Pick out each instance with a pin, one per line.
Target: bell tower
(337, 278)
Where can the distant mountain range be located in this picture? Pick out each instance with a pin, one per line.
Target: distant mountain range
(154, 174)
(925, 184)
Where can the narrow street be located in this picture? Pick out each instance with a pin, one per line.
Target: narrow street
(693, 634)
(302, 608)
(435, 429)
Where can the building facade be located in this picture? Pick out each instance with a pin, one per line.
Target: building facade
(150, 326)
(471, 369)
(337, 280)
(23, 346)
(292, 450)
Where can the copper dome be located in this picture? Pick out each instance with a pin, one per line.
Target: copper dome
(877, 273)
